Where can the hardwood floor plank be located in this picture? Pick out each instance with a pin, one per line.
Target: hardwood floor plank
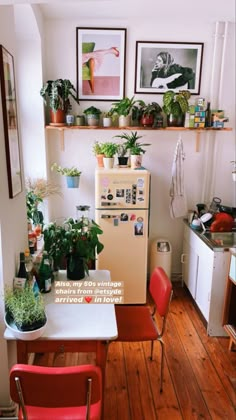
(208, 380)
(140, 396)
(116, 405)
(165, 404)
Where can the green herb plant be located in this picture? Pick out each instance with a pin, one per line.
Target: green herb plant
(73, 171)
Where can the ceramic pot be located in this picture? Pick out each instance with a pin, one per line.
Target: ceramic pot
(75, 268)
(124, 121)
(107, 122)
(175, 121)
(108, 162)
(123, 160)
(80, 120)
(72, 181)
(25, 335)
(92, 120)
(147, 121)
(136, 161)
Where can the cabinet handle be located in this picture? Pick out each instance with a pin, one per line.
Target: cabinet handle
(182, 259)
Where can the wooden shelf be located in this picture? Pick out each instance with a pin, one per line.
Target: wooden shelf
(198, 131)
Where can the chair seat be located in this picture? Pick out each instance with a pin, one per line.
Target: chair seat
(62, 413)
(135, 323)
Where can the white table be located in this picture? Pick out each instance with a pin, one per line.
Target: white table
(81, 327)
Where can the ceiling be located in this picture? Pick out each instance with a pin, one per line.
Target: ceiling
(212, 10)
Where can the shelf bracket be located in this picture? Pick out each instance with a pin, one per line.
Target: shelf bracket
(197, 147)
(62, 141)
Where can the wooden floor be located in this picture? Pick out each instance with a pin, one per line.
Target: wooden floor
(199, 373)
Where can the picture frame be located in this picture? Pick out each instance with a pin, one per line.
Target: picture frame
(100, 63)
(10, 124)
(162, 66)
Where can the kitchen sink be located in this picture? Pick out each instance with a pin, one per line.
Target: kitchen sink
(221, 239)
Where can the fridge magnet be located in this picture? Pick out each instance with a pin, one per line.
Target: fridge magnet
(120, 193)
(133, 217)
(138, 228)
(116, 221)
(124, 217)
(140, 182)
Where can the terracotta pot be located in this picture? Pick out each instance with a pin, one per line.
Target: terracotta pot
(100, 160)
(57, 117)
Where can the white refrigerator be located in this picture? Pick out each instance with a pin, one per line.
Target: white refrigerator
(122, 211)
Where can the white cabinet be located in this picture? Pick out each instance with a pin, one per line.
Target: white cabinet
(204, 273)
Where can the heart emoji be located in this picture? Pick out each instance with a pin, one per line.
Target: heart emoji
(88, 299)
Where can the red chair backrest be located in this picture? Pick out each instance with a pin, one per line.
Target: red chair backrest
(56, 386)
(160, 288)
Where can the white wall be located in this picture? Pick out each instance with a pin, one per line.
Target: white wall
(13, 224)
(201, 182)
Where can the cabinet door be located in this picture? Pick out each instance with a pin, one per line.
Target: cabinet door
(190, 267)
(204, 280)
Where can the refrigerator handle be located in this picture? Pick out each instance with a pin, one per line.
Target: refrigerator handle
(108, 216)
(109, 204)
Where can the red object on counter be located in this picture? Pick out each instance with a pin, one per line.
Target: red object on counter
(223, 222)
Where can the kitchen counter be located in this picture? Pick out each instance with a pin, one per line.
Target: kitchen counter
(217, 241)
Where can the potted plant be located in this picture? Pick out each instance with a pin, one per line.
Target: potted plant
(122, 155)
(25, 312)
(72, 174)
(131, 140)
(123, 109)
(57, 93)
(92, 115)
(109, 150)
(136, 153)
(78, 241)
(150, 114)
(175, 106)
(98, 152)
(107, 119)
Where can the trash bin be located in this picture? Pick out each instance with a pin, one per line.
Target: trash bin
(161, 252)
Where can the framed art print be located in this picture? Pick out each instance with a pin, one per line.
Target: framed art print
(100, 63)
(162, 66)
(9, 112)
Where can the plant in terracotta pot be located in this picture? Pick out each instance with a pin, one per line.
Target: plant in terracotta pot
(92, 115)
(57, 94)
(77, 241)
(175, 106)
(25, 309)
(98, 152)
(72, 174)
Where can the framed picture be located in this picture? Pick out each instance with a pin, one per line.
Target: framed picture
(100, 63)
(9, 112)
(162, 66)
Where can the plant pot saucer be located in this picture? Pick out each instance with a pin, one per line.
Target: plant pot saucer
(123, 166)
(57, 124)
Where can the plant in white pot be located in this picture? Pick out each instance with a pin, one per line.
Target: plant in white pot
(72, 174)
(109, 150)
(92, 115)
(136, 154)
(25, 313)
(123, 109)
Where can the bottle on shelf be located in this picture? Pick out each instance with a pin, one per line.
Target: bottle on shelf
(208, 115)
(22, 275)
(45, 274)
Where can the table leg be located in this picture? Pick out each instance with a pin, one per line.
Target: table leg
(22, 352)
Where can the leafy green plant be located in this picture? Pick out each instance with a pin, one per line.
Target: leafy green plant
(124, 106)
(73, 239)
(26, 309)
(73, 171)
(98, 148)
(109, 149)
(131, 140)
(121, 150)
(92, 110)
(137, 150)
(176, 103)
(34, 215)
(57, 94)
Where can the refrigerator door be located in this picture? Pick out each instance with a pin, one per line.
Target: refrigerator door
(122, 188)
(125, 239)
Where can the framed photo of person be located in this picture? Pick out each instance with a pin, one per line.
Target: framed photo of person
(162, 66)
(10, 125)
(100, 63)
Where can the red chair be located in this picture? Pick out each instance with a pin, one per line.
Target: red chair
(57, 393)
(137, 323)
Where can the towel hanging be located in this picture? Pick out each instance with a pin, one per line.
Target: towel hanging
(178, 204)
